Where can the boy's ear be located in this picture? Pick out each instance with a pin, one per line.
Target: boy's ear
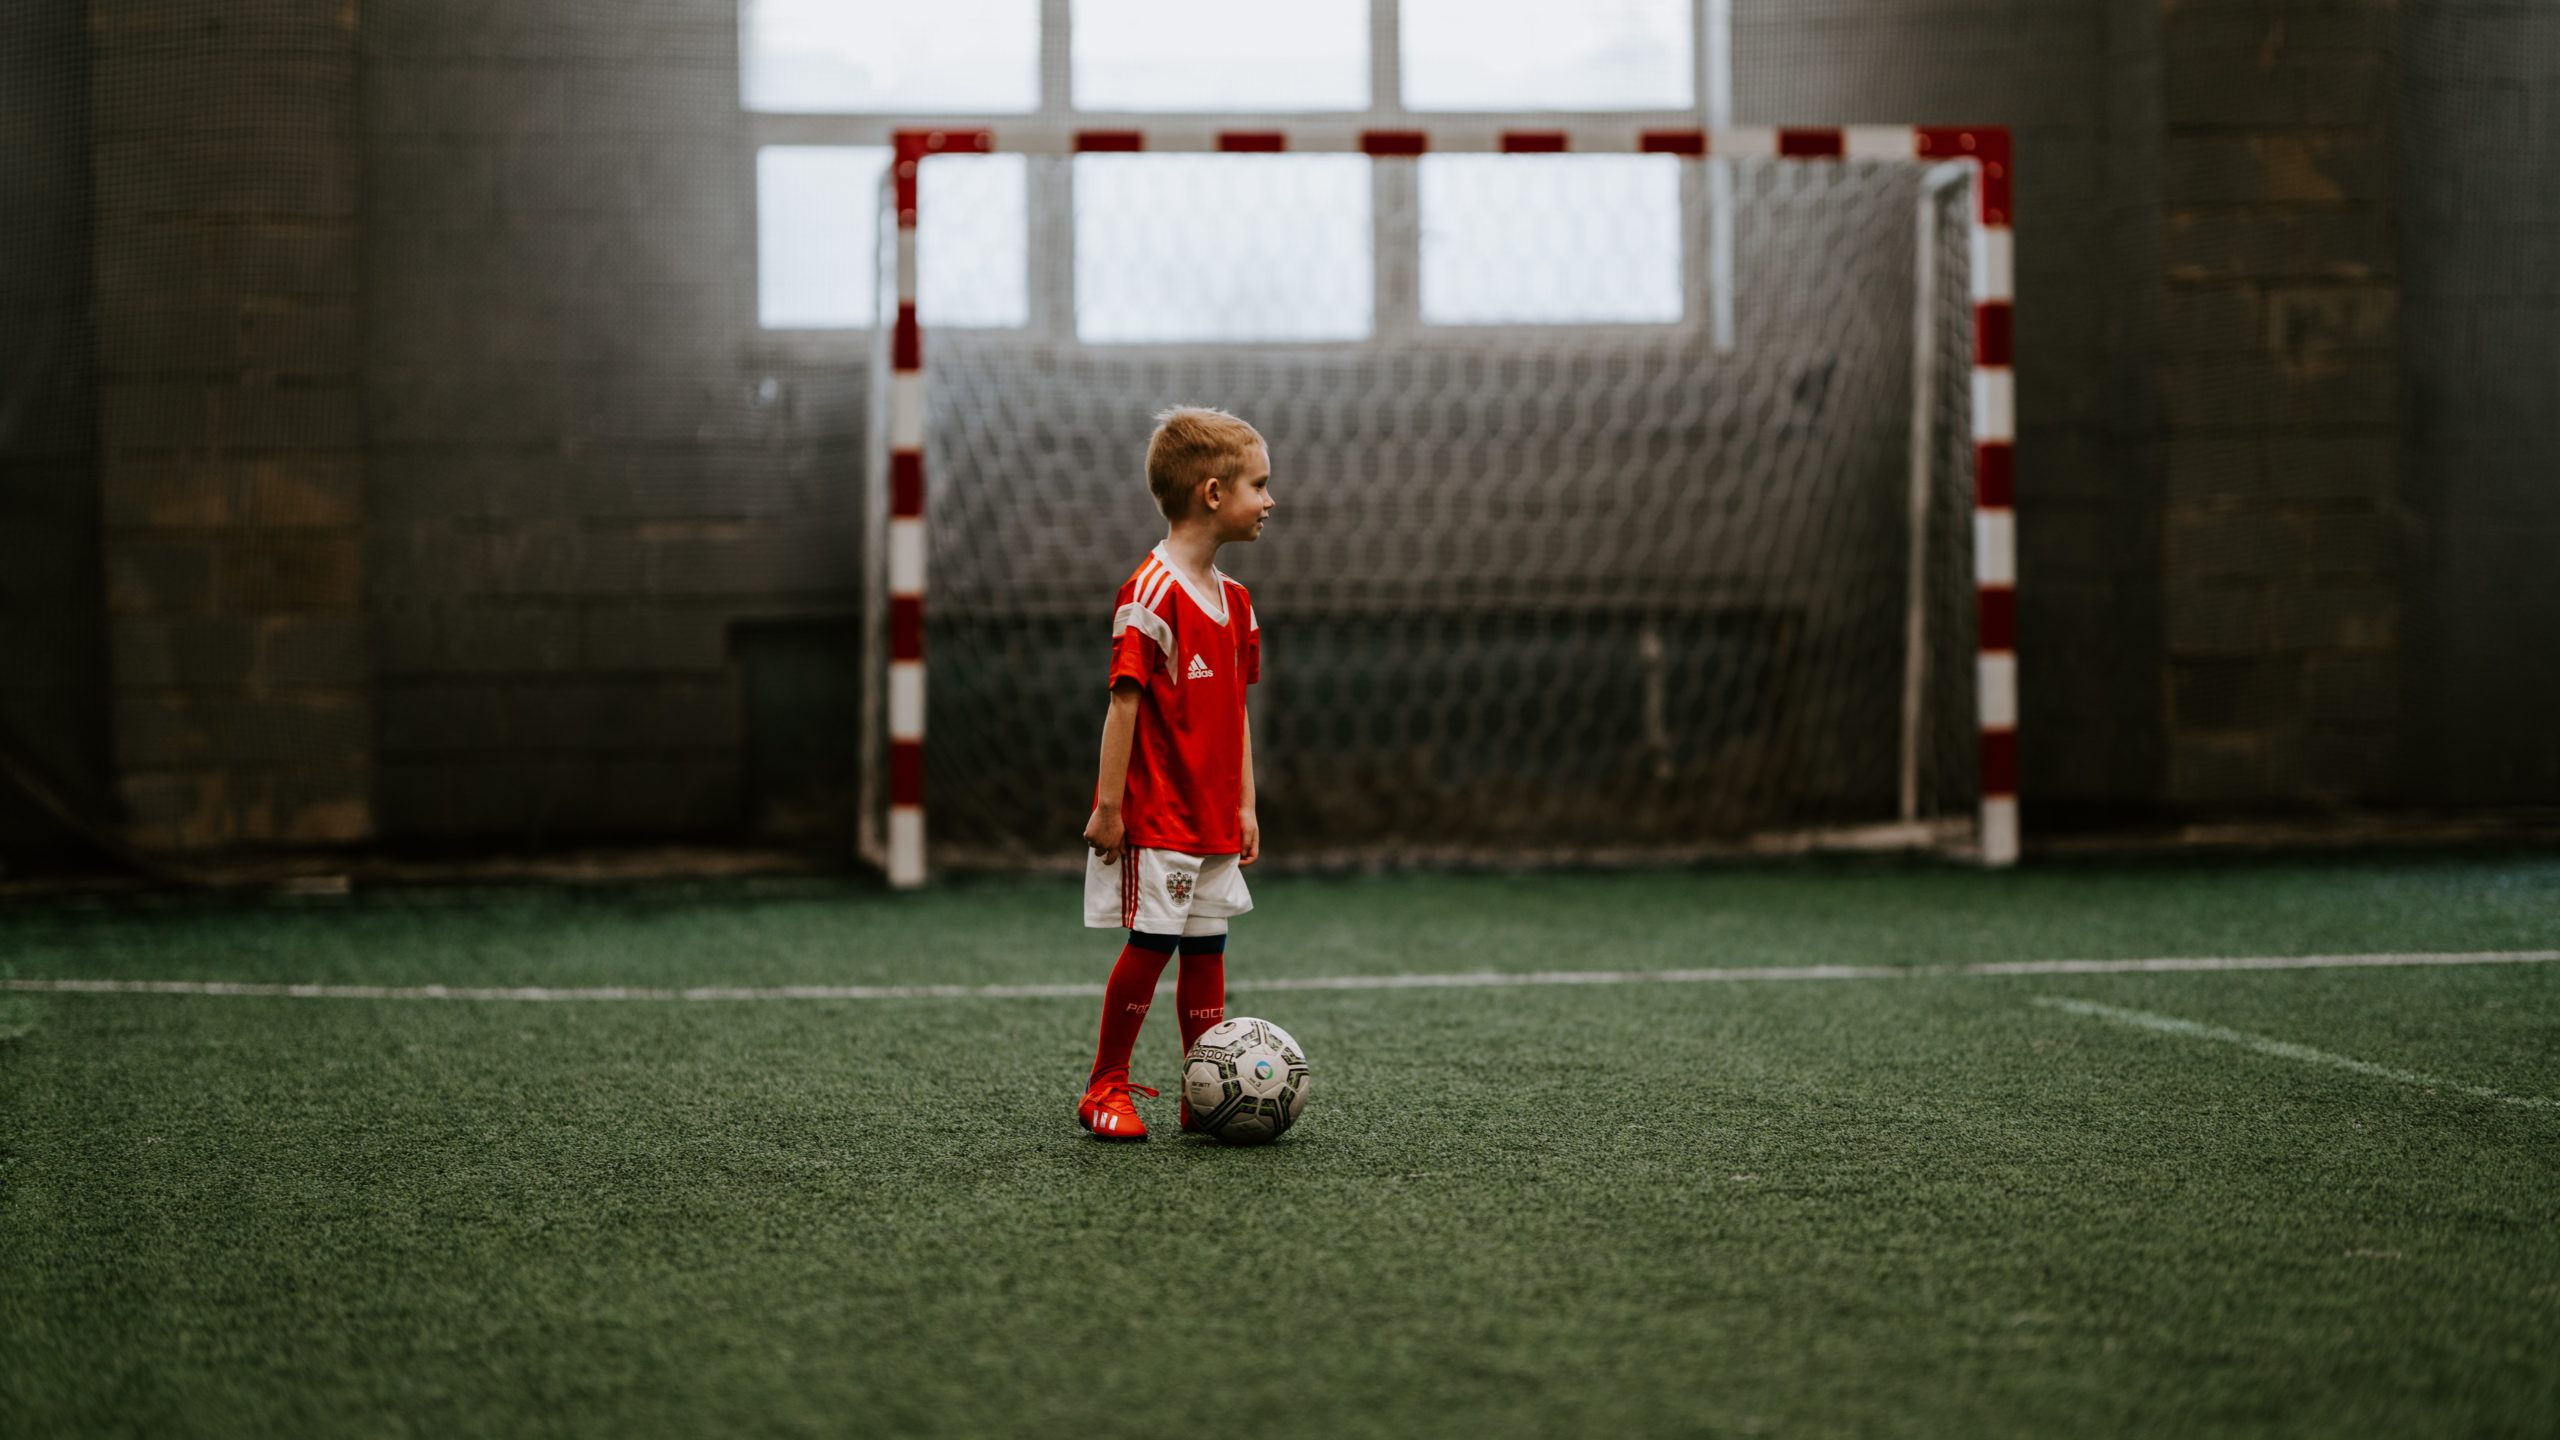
(1212, 490)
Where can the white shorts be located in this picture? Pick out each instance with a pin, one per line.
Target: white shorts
(1163, 892)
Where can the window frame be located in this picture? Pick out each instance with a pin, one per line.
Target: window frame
(1395, 250)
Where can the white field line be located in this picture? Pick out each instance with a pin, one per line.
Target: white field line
(1458, 980)
(2286, 1049)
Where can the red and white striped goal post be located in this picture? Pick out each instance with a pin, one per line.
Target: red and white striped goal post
(1994, 385)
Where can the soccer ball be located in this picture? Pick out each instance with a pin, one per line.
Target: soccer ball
(1246, 1080)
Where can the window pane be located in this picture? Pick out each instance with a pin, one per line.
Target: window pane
(1240, 56)
(1550, 239)
(1222, 247)
(972, 242)
(1520, 55)
(818, 238)
(817, 235)
(946, 57)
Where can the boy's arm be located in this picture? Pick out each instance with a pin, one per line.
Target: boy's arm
(1119, 730)
(1252, 823)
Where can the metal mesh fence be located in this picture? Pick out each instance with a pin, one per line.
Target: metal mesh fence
(1535, 593)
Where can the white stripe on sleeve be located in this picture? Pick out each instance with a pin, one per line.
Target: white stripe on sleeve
(1138, 617)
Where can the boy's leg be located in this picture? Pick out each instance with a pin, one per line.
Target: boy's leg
(1200, 989)
(1125, 999)
(1105, 1107)
(1201, 985)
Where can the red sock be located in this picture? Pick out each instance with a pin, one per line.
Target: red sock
(1200, 988)
(1125, 999)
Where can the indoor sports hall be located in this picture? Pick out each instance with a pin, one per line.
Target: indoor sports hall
(1893, 669)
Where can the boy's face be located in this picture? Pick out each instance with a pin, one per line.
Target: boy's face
(1240, 503)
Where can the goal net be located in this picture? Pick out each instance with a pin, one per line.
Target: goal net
(1600, 536)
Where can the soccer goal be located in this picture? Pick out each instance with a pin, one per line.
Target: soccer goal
(1573, 563)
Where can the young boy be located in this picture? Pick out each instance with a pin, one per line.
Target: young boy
(1173, 823)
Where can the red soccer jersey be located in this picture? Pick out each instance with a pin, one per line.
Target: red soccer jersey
(1186, 764)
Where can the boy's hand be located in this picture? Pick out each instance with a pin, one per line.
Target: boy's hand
(1252, 837)
(1103, 833)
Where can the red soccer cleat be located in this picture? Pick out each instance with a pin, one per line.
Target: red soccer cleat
(1107, 1111)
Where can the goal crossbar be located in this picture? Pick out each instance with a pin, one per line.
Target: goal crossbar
(898, 447)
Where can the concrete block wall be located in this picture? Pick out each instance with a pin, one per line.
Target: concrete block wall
(2480, 321)
(2126, 263)
(435, 461)
(53, 686)
(230, 440)
(588, 462)
(2266, 324)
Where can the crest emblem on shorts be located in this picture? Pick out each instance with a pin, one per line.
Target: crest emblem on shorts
(1178, 885)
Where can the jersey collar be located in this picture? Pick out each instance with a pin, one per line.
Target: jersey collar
(1217, 610)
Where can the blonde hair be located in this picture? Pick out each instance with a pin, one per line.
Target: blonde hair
(1191, 444)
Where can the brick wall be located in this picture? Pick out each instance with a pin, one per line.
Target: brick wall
(52, 688)
(586, 460)
(2127, 263)
(230, 443)
(2276, 401)
(434, 460)
(2480, 322)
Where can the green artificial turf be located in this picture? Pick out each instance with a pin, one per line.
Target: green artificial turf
(1918, 1206)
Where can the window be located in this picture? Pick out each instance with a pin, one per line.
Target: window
(1172, 248)
(1494, 55)
(1236, 56)
(1550, 239)
(1538, 240)
(1222, 247)
(818, 239)
(955, 57)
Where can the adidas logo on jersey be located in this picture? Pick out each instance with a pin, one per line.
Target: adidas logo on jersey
(1199, 669)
